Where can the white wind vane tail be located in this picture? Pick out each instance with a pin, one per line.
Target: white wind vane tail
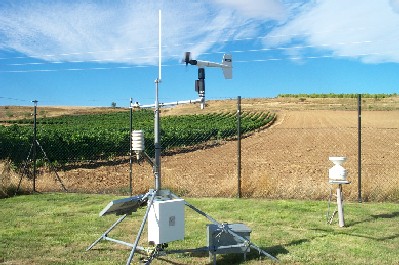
(228, 66)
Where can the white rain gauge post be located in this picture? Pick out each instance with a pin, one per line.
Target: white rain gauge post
(164, 213)
(337, 176)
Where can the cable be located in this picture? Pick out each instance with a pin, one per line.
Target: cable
(16, 99)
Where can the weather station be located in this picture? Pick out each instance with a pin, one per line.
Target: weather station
(164, 214)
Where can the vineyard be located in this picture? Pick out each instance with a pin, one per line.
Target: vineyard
(89, 148)
(101, 136)
(333, 95)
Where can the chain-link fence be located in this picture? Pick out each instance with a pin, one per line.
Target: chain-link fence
(288, 158)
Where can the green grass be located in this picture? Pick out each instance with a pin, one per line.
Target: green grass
(57, 228)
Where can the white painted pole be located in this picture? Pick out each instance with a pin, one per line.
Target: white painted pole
(160, 46)
(341, 220)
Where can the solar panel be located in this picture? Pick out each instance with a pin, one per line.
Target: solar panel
(124, 206)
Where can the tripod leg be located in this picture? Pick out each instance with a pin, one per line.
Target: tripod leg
(23, 169)
(332, 217)
(106, 232)
(250, 244)
(242, 239)
(51, 166)
(19, 185)
(212, 258)
(263, 252)
(129, 260)
(202, 213)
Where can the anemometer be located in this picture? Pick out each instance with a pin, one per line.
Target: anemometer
(226, 65)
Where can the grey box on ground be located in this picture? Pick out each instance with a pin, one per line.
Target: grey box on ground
(219, 241)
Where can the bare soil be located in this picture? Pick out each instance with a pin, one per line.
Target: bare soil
(287, 160)
(20, 112)
(290, 159)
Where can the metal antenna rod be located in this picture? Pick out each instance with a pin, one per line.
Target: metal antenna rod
(157, 161)
(159, 45)
(157, 144)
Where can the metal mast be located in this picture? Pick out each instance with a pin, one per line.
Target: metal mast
(157, 144)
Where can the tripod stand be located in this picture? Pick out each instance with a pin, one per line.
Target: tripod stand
(126, 206)
(32, 149)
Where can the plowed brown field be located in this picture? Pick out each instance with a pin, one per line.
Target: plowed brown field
(290, 159)
(287, 160)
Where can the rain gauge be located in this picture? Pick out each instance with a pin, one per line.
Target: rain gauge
(337, 176)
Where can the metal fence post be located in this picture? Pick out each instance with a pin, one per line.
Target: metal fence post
(130, 149)
(34, 143)
(239, 146)
(359, 148)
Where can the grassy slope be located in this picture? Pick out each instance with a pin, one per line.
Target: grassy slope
(57, 228)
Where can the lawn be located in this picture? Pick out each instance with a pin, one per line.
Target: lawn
(57, 228)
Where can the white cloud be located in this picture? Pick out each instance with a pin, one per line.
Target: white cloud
(364, 29)
(79, 31)
(123, 31)
(127, 31)
(395, 5)
(259, 9)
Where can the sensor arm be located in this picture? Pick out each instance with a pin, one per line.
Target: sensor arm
(226, 65)
(181, 102)
(202, 64)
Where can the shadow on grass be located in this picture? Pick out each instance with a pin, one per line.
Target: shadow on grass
(169, 261)
(232, 258)
(386, 215)
(238, 258)
(348, 233)
(372, 218)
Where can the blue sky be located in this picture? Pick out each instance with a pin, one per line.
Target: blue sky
(93, 53)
